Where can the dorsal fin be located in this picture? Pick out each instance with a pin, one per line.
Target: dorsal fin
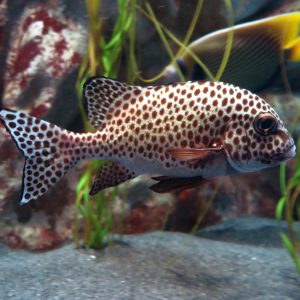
(101, 94)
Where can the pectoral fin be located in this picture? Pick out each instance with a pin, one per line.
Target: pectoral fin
(170, 184)
(109, 175)
(195, 154)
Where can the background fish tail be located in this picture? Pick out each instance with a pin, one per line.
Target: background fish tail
(48, 149)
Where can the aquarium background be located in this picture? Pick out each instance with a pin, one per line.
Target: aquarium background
(48, 49)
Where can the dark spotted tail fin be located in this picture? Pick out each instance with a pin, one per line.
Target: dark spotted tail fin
(48, 150)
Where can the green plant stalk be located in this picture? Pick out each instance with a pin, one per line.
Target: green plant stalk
(292, 192)
(289, 246)
(229, 41)
(102, 57)
(88, 68)
(285, 208)
(192, 26)
(132, 67)
(182, 45)
(283, 179)
(207, 207)
(192, 54)
(159, 30)
(165, 42)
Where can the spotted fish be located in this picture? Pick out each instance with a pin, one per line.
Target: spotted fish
(185, 132)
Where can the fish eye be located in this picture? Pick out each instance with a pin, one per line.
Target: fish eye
(265, 124)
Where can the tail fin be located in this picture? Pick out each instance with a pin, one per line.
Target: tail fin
(47, 148)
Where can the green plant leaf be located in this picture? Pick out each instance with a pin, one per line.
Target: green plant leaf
(115, 40)
(82, 210)
(280, 208)
(295, 257)
(82, 182)
(283, 179)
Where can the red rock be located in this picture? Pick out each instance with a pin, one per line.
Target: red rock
(44, 43)
(142, 218)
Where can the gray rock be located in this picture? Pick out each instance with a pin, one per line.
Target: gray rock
(247, 230)
(156, 266)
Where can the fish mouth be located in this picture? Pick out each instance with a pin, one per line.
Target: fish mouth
(289, 153)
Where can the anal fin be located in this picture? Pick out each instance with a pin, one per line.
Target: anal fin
(109, 175)
(170, 184)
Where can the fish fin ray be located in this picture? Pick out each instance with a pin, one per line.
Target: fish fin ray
(160, 178)
(256, 49)
(109, 175)
(39, 141)
(176, 184)
(50, 175)
(101, 95)
(186, 154)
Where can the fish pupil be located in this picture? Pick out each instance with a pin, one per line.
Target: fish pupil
(265, 124)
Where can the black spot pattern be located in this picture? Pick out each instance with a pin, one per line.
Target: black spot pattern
(148, 130)
(109, 175)
(100, 93)
(43, 145)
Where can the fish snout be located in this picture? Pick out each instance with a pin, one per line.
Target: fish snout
(287, 153)
(290, 152)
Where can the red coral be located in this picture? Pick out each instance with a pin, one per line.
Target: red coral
(13, 240)
(60, 47)
(39, 110)
(25, 56)
(40, 239)
(45, 42)
(50, 23)
(184, 195)
(48, 239)
(142, 219)
(76, 58)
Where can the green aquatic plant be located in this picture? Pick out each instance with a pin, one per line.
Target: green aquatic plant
(229, 41)
(164, 32)
(288, 208)
(103, 57)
